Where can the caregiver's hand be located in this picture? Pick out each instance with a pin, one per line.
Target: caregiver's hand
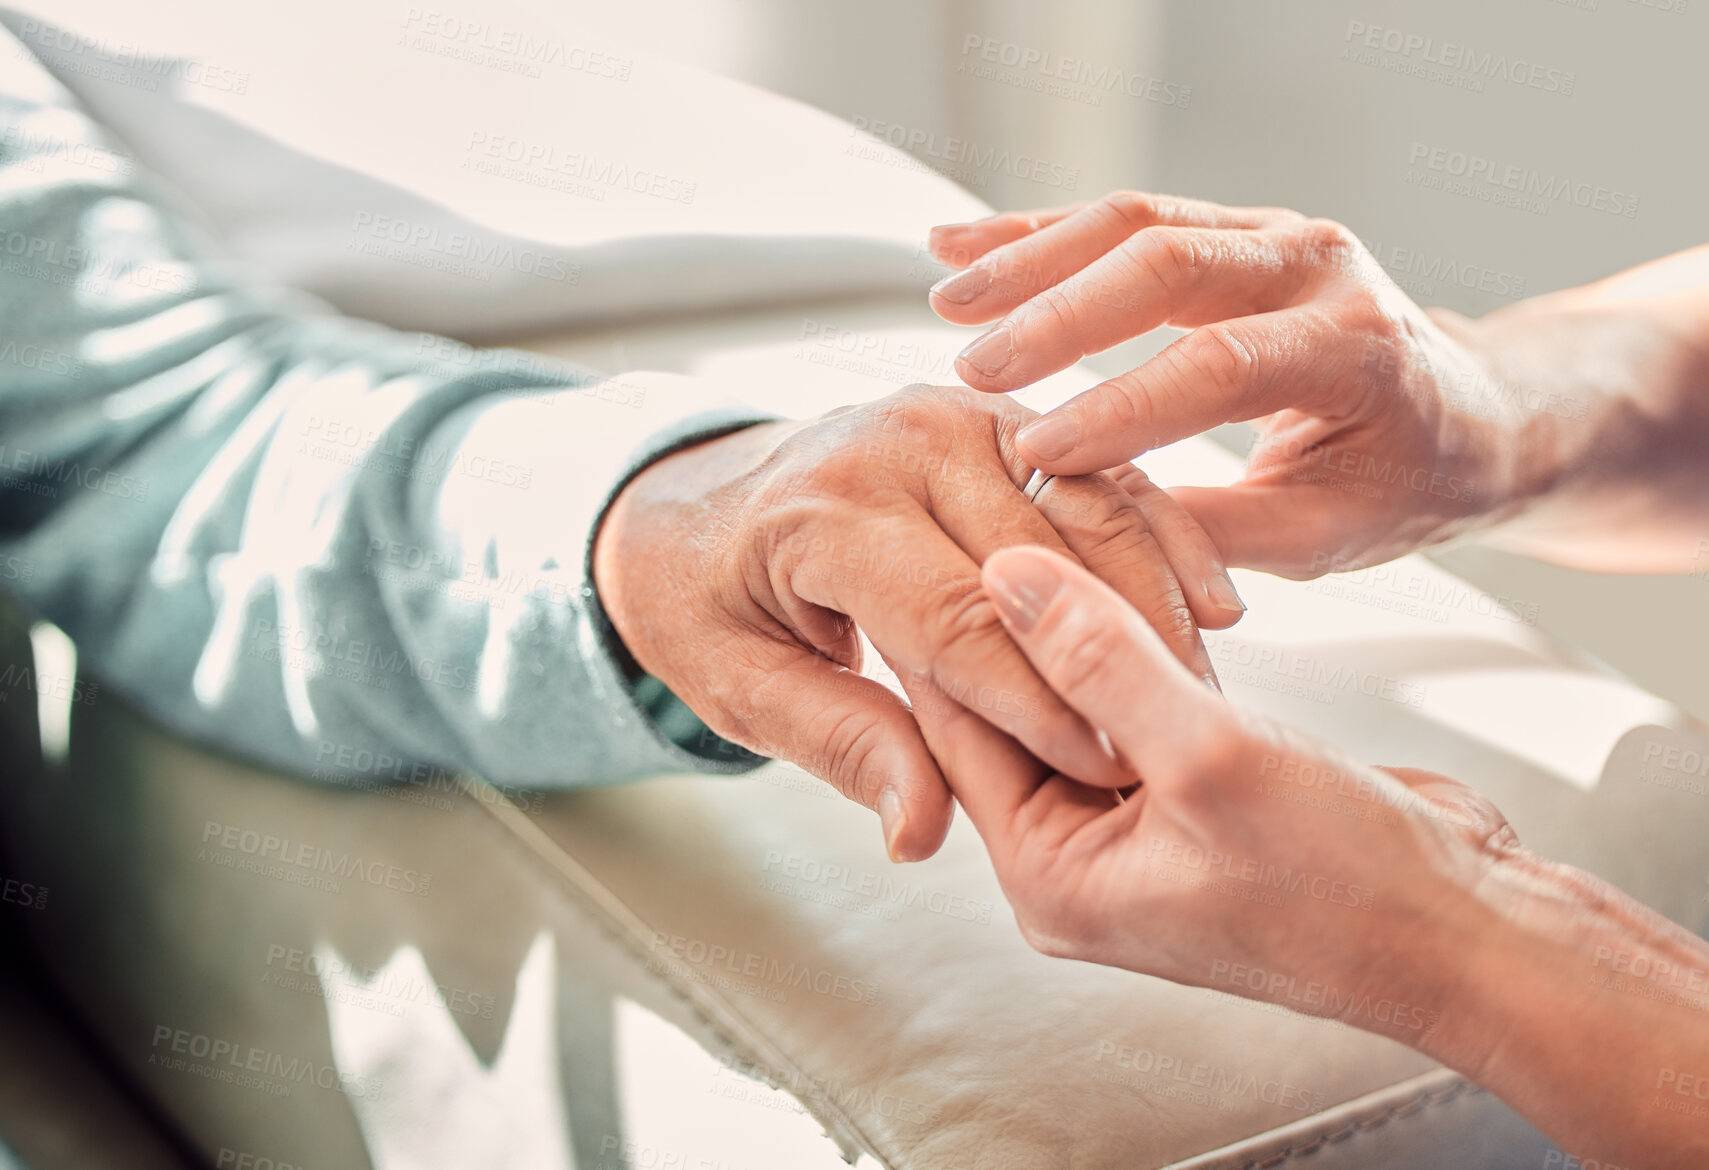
(1383, 427)
(1253, 860)
(737, 571)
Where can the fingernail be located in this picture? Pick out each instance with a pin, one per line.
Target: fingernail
(963, 286)
(894, 818)
(1220, 589)
(1106, 745)
(992, 352)
(940, 234)
(1023, 587)
(1052, 436)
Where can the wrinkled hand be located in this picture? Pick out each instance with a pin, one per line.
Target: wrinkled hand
(738, 570)
(1383, 428)
(1248, 857)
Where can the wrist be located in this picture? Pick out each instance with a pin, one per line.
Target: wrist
(1424, 979)
(1534, 943)
(659, 524)
(1585, 1011)
(1605, 413)
(1497, 955)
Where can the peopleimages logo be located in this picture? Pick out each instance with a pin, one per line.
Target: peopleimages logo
(174, 1049)
(40, 147)
(431, 246)
(961, 157)
(1477, 171)
(1165, 855)
(84, 49)
(1422, 273)
(1321, 999)
(1075, 78)
(488, 44)
(1452, 56)
(235, 840)
(590, 175)
(1158, 1070)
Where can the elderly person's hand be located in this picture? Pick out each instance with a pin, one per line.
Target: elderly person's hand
(1251, 859)
(1383, 427)
(738, 571)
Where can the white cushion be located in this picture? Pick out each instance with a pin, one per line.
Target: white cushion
(491, 173)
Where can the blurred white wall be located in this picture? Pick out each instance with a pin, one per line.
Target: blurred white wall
(1023, 102)
(1324, 105)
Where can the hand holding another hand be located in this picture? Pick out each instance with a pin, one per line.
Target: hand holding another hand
(736, 572)
(1253, 860)
(1245, 847)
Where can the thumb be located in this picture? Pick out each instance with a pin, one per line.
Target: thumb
(858, 736)
(1101, 657)
(1286, 529)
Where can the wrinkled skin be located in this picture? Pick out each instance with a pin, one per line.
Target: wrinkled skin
(737, 572)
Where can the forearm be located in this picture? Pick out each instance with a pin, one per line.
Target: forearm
(1608, 388)
(1585, 1011)
(305, 539)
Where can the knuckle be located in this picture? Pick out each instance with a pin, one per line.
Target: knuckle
(1328, 243)
(1132, 209)
(1057, 311)
(916, 418)
(1120, 406)
(1083, 657)
(1112, 510)
(1132, 479)
(1112, 529)
(1138, 486)
(1167, 255)
(1220, 353)
(1175, 624)
(721, 705)
(811, 459)
(854, 742)
(959, 619)
(794, 501)
(1366, 313)
(914, 403)
(1113, 548)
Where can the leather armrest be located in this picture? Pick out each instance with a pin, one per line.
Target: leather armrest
(438, 974)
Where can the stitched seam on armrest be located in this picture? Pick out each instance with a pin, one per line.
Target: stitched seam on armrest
(628, 929)
(1407, 1108)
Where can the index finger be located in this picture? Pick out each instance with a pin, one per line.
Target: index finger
(960, 244)
(1098, 654)
(1227, 371)
(1012, 271)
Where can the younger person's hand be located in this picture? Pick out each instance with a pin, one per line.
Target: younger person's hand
(1383, 427)
(1223, 855)
(1250, 859)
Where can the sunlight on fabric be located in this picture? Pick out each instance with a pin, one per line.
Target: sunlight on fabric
(157, 331)
(422, 1097)
(1568, 724)
(56, 686)
(683, 1107)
